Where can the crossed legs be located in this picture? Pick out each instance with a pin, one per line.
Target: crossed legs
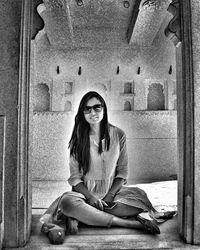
(77, 208)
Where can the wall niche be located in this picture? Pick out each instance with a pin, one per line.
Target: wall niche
(68, 106)
(156, 97)
(127, 106)
(41, 98)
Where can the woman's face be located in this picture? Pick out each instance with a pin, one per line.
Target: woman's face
(93, 111)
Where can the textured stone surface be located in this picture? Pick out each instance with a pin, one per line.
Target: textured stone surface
(9, 75)
(152, 160)
(151, 140)
(146, 124)
(196, 63)
(2, 177)
(99, 62)
(99, 73)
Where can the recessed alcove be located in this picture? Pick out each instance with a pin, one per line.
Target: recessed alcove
(68, 88)
(127, 87)
(155, 97)
(68, 106)
(41, 98)
(127, 106)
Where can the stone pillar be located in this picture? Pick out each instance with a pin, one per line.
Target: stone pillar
(195, 39)
(184, 31)
(2, 178)
(14, 71)
(188, 102)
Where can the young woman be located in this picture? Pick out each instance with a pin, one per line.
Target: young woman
(98, 173)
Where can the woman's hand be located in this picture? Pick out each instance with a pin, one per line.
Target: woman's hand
(97, 203)
(108, 198)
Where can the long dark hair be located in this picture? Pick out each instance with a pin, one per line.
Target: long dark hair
(79, 143)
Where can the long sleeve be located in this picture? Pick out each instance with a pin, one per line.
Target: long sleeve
(75, 175)
(122, 163)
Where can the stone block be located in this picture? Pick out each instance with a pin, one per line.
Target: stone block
(152, 160)
(151, 139)
(146, 124)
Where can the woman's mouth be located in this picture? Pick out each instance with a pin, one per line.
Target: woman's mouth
(94, 118)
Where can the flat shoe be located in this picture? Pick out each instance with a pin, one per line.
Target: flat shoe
(167, 215)
(149, 225)
(46, 227)
(56, 235)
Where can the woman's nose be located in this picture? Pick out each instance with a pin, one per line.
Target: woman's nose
(93, 112)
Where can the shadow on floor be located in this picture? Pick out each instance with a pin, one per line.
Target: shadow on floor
(113, 238)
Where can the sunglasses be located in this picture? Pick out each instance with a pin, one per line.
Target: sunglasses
(97, 108)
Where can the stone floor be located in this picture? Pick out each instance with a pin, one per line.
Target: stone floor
(89, 238)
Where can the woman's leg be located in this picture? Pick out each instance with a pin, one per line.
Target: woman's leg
(123, 210)
(77, 208)
(140, 223)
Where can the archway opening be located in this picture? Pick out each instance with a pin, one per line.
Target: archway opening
(159, 106)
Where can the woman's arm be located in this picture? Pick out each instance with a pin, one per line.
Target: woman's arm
(117, 184)
(76, 181)
(92, 200)
(121, 168)
(81, 188)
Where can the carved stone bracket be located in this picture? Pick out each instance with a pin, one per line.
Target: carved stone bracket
(55, 4)
(173, 29)
(37, 23)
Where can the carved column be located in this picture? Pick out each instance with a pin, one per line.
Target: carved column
(184, 32)
(15, 26)
(24, 195)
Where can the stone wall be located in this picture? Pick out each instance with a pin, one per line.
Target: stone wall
(106, 70)
(127, 76)
(151, 141)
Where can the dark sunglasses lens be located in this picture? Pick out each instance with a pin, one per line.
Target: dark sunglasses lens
(87, 110)
(97, 108)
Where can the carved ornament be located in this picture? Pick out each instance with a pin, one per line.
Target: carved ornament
(173, 29)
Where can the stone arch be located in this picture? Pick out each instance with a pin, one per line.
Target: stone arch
(68, 106)
(41, 98)
(155, 97)
(127, 106)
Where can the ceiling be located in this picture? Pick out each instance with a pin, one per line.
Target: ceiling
(104, 23)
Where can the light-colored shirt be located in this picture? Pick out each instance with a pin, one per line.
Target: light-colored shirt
(104, 167)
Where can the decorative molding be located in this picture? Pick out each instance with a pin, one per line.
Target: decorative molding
(133, 21)
(24, 178)
(61, 7)
(152, 5)
(149, 3)
(173, 29)
(188, 130)
(38, 23)
(54, 4)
